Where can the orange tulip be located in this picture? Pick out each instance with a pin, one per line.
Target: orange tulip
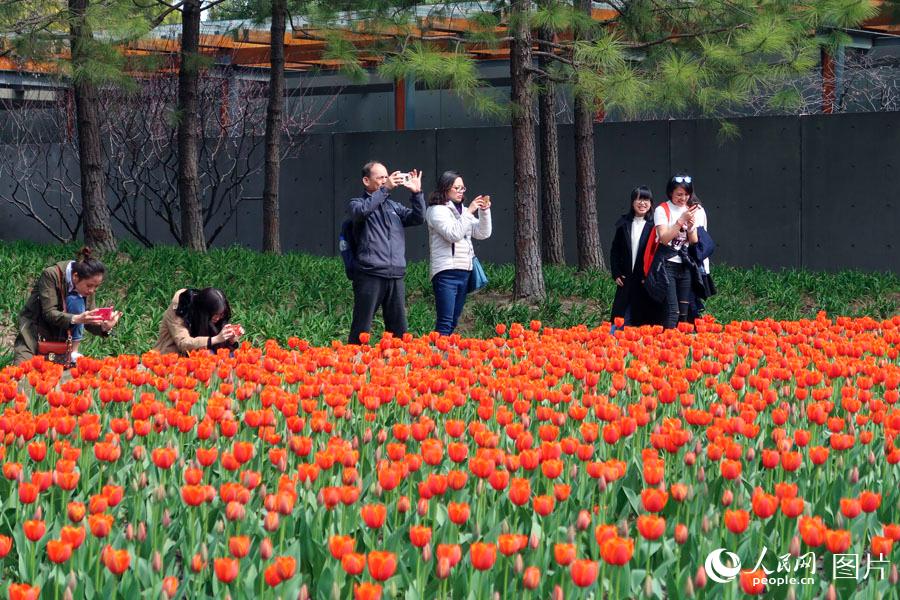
(353, 563)
(617, 551)
(870, 501)
(170, 586)
(73, 535)
(28, 492)
(812, 531)
(850, 507)
(751, 582)
(373, 515)
(419, 535)
(34, 529)
(366, 590)
(764, 505)
(6, 543)
(239, 546)
(837, 540)
(584, 572)
(117, 561)
(483, 555)
(737, 521)
(339, 545)
(226, 569)
(451, 552)
(23, 591)
(458, 512)
(531, 578)
(564, 554)
(59, 551)
(382, 565)
(543, 505)
(653, 499)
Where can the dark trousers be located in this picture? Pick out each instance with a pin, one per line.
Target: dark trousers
(371, 292)
(678, 294)
(450, 289)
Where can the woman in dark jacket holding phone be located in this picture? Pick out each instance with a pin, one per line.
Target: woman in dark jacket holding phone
(633, 230)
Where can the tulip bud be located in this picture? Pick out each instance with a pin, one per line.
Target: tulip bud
(894, 577)
(402, 504)
(443, 568)
(166, 518)
(67, 595)
(38, 514)
(871, 458)
(129, 532)
(272, 521)
(583, 521)
(526, 421)
(534, 540)
(689, 588)
(265, 549)
(496, 596)
(382, 436)
(573, 471)
(570, 535)
(700, 578)
(705, 526)
(262, 489)
(220, 527)
(335, 591)
(137, 453)
(751, 454)
(354, 443)
(831, 594)
(422, 507)
(378, 454)
(480, 487)
(160, 493)
(794, 548)
(854, 477)
(227, 596)
(701, 475)
(648, 587)
(144, 481)
(142, 531)
(601, 484)
(304, 593)
(204, 552)
(72, 581)
(557, 593)
(681, 533)
(791, 594)
(367, 436)
(427, 552)
(727, 498)
(518, 564)
(156, 561)
(20, 442)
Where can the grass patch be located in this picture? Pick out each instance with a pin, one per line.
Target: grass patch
(298, 294)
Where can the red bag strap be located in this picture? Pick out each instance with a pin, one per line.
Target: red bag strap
(653, 244)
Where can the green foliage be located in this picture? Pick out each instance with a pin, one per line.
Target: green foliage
(298, 294)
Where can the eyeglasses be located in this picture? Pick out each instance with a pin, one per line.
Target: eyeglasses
(682, 179)
(643, 200)
(458, 189)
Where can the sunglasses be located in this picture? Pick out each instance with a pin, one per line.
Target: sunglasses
(682, 179)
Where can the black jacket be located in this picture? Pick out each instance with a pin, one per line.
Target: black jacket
(378, 230)
(632, 293)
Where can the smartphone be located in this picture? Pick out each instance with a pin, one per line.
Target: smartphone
(105, 313)
(407, 177)
(692, 201)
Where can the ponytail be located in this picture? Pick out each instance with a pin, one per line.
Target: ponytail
(85, 266)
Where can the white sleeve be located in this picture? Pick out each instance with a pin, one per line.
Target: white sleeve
(447, 225)
(659, 216)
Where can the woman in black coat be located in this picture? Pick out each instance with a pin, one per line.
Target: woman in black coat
(633, 231)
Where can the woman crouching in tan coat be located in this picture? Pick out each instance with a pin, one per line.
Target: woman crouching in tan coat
(197, 319)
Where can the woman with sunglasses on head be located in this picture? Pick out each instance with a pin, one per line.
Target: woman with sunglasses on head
(633, 231)
(197, 319)
(451, 227)
(676, 224)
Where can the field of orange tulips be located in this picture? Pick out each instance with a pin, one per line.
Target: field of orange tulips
(712, 461)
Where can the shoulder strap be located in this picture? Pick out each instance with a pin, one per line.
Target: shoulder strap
(62, 296)
(665, 206)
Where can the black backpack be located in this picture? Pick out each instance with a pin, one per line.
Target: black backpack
(347, 247)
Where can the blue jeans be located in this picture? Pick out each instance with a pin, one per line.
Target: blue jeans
(450, 289)
(76, 305)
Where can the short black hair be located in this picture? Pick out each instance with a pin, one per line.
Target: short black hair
(688, 186)
(641, 191)
(367, 168)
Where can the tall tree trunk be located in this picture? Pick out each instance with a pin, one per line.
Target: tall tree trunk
(551, 209)
(98, 233)
(529, 281)
(590, 254)
(271, 220)
(192, 235)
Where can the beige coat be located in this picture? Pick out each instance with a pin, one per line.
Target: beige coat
(174, 337)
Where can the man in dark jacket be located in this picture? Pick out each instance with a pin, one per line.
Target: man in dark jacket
(378, 223)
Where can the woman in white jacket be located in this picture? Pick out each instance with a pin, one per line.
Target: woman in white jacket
(451, 227)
